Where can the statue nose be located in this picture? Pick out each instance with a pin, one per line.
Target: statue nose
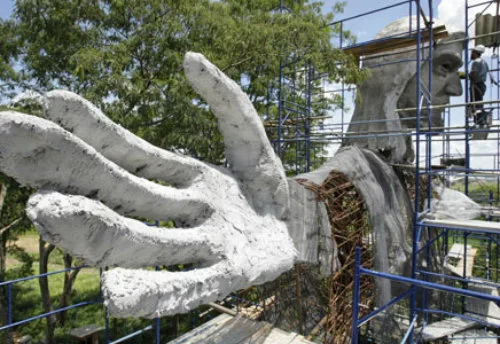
(453, 85)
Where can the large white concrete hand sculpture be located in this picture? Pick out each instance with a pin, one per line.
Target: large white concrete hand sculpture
(92, 173)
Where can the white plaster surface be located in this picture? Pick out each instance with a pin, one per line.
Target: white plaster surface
(41, 154)
(310, 229)
(102, 237)
(83, 119)
(248, 152)
(452, 204)
(231, 221)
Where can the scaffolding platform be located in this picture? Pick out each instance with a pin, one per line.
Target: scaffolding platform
(226, 329)
(445, 328)
(457, 257)
(465, 225)
(459, 330)
(484, 310)
(474, 337)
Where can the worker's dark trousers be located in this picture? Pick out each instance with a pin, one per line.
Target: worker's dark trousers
(477, 91)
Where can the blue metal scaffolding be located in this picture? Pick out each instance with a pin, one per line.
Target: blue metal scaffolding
(470, 291)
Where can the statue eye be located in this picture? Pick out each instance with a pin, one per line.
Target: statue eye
(447, 67)
(442, 69)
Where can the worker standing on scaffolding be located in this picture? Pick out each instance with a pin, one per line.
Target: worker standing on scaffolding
(477, 76)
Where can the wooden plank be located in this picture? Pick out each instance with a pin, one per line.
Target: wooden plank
(467, 225)
(474, 337)
(445, 328)
(395, 43)
(85, 332)
(225, 329)
(457, 252)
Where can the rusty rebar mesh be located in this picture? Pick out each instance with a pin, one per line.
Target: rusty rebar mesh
(349, 221)
(408, 176)
(300, 299)
(318, 307)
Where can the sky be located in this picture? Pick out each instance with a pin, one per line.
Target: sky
(6, 7)
(450, 12)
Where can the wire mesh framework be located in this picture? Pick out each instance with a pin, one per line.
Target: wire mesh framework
(319, 307)
(350, 229)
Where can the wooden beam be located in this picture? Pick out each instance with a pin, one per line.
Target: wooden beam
(394, 43)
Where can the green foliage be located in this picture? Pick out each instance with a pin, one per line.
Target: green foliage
(9, 52)
(479, 190)
(12, 214)
(27, 303)
(126, 57)
(13, 207)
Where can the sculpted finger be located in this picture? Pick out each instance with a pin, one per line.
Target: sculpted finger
(248, 151)
(89, 230)
(150, 294)
(83, 119)
(41, 154)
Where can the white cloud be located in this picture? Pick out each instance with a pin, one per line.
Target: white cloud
(452, 13)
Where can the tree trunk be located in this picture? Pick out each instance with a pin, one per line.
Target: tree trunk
(69, 279)
(45, 250)
(5, 337)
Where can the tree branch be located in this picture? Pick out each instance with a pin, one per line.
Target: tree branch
(3, 194)
(6, 228)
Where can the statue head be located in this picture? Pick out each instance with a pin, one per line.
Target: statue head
(376, 124)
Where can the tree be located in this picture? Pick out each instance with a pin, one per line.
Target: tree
(126, 56)
(12, 222)
(9, 50)
(13, 197)
(45, 249)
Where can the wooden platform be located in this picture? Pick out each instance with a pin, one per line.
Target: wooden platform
(457, 257)
(387, 45)
(466, 225)
(445, 328)
(474, 337)
(86, 334)
(483, 309)
(226, 329)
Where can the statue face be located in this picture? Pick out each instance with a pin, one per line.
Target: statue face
(445, 83)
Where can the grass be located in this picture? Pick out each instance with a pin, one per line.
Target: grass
(27, 303)
(27, 298)
(479, 190)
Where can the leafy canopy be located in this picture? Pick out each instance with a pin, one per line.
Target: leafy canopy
(126, 57)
